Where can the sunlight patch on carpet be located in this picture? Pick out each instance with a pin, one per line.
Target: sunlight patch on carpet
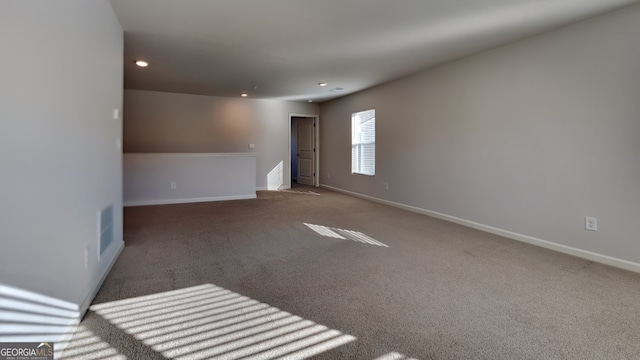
(343, 234)
(87, 346)
(394, 356)
(209, 322)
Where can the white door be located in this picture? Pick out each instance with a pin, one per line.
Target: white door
(306, 149)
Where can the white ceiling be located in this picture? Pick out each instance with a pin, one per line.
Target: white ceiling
(286, 47)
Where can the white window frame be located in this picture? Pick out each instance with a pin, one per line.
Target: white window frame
(357, 144)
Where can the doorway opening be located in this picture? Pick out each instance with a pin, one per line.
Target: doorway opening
(303, 150)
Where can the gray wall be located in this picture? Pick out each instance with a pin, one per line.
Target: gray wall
(61, 79)
(160, 122)
(530, 137)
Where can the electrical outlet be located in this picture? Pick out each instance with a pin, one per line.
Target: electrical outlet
(173, 186)
(591, 223)
(386, 186)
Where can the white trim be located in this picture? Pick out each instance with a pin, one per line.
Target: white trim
(316, 136)
(187, 200)
(317, 145)
(261, 188)
(363, 174)
(585, 254)
(87, 301)
(191, 155)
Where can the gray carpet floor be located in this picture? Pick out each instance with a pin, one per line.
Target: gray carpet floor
(297, 273)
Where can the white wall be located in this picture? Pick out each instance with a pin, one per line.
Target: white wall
(160, 122)
(148, 178)
(529, 138)
(61, 79)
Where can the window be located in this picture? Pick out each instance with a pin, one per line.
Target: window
(363, 142)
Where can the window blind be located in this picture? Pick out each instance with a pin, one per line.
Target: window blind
(363, 142)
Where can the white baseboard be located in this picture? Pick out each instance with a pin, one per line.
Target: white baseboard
(61, 343)
(65, 338)
(588, 255)
(87, 301)
(261, 188)
(188, 200)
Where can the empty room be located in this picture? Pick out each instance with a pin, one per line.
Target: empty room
(298, 179)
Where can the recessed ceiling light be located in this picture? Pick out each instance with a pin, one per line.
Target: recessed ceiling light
(323, 83)
(310, 100)
(142, 63)
(244, 94)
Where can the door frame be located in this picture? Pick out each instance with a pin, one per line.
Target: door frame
(316, 142)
